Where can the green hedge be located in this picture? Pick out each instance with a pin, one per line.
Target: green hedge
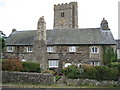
(91, 72)
(29, 66)
(72, 72)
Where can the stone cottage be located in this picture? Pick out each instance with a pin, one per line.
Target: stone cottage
(63, 45)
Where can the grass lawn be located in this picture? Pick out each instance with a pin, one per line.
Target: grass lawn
(15, 85)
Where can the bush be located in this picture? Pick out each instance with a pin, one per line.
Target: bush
(12, 65)
(49, 72)
(105, 73)
(72, 71)
(114, 64)
(89, 71)
(29, 66)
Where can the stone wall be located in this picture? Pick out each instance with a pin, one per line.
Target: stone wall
(24, 77)
(90, 82)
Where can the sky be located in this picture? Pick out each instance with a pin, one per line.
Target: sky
(24, 14)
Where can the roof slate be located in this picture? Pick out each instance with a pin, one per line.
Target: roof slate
(64, 37)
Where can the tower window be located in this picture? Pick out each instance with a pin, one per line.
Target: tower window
(62, 14)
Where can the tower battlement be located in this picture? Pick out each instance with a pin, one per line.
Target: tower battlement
(64, 5)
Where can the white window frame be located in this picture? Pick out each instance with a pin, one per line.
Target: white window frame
(94, 49)
(53, 63)
(10, 48)
(95, 63)
(72, 48)
(29, 49)
(50, 49)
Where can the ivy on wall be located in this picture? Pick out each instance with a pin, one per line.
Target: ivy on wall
(109, 55)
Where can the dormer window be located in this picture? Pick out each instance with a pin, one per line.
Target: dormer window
(29, 49)
(10, 49)
(72, 49)
(94, 49)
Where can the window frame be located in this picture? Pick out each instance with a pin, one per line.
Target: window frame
(72, 49)
(95, 63)
(53, 63)
(50, 49)
(10, 48)
(94, 49)
(29, 49)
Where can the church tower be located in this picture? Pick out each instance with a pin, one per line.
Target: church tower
(40, 45)
(66, 15)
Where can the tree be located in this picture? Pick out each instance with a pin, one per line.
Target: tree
(2, 46)
(109, 55)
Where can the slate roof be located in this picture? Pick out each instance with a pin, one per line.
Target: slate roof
(118, 43)
(64, 37)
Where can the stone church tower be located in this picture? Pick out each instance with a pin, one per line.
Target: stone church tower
(66, 15)
(40, 45)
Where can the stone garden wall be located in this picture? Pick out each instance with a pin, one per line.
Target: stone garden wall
(24, 77)
(90, 82)
(38, 78)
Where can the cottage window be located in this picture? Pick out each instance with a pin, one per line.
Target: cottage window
(53, 63)
(10, 49)
(29, 49)
(94, 49)
(72, 49)
(95, 63)
(49, 49)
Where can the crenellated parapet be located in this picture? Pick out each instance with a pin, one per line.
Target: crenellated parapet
(64, 6)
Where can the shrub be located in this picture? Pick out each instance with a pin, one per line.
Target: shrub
(12, 65)
(49, 72)
(105, 73)
(29, 66)
(89, 71)
(72, 71)
(114, 64)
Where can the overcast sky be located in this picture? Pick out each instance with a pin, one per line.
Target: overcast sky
(24, 14)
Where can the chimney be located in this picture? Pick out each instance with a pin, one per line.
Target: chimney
(14, 30)
(41, 29)
(104, 24)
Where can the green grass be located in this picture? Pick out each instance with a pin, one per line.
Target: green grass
(15, 85)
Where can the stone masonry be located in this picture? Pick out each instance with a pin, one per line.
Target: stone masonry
(69, 19)
(24, 77)
(40, 45)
